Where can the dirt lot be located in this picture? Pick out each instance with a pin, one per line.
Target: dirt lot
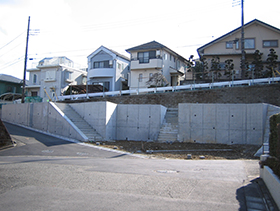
(178, 150)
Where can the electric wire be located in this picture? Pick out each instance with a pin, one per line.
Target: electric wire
(12, 40)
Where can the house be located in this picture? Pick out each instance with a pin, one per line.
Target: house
(10, 87)
(257, 36)
(108, 68)
(153, 57)
(52, 77)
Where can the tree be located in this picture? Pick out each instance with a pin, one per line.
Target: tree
(204, 62)
(198, 70)
(272, 63)
(229, 72)
(157, 80)
(215, 67)
(190, 67)
(257, 64)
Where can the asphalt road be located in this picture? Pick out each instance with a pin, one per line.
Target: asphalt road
(47, 173)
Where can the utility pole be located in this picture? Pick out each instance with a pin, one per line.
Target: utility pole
(242, 42)
(25, 63)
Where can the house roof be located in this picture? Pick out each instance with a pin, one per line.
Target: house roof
(114, 52)
(9, 78)
(235, 30)
(154, 45)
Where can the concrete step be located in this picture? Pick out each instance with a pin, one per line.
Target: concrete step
(169, 128)
(83, 126)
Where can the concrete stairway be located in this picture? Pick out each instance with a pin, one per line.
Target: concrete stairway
(265, 148)
(80, 123)
(169, 129)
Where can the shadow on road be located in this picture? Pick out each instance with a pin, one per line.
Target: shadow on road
(47, 140)
(255, 196)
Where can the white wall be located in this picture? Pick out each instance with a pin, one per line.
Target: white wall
(221, 123)
(122, 122)
(41, 116)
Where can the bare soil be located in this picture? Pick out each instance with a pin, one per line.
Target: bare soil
(179, 150)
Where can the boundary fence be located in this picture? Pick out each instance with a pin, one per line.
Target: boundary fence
(249, 82)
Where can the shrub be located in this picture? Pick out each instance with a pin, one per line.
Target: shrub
(273, 161)
(274, 137)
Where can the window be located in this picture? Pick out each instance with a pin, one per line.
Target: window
(119, 66)
(50, 75)
(33, 94)
(270, 43)
(101, 64)
(150, 75)
(34, 79)
(229, 45)
(144, 57)
(248, 44)
(140, 77)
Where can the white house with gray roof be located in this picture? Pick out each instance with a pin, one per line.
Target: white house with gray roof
(153, 57)
(108, 68)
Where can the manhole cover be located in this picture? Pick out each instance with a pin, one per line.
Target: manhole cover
(167, 171)
(82, 153)
(47, 151)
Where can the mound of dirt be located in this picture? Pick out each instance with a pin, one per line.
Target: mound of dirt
(179, 150)
(5, 138)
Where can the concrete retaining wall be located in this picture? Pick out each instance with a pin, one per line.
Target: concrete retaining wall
(41, 116)
(202, 123)
(100, 115)
(122, 122)
(221, 123)
(139, 122)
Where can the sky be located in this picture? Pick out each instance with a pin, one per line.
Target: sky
(76, 28)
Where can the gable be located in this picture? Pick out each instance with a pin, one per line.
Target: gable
(101, 56)
(257, 30)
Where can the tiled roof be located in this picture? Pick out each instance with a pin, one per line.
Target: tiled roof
(147, 46)
(154, 45)
(9, 78)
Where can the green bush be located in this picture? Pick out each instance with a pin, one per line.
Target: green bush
(273, 161)
(274, 139)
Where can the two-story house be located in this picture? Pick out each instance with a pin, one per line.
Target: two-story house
(108, 68)
(151, 58)
(52, 77)
(257, 36)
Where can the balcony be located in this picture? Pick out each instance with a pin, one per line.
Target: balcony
(101, 72)
(153, 64)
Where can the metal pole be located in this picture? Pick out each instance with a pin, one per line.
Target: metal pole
(25, 63)
(242, 42)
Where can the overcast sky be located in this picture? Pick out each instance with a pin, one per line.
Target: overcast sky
(76, 28)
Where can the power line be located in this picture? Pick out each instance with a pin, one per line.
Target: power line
(12, 40)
